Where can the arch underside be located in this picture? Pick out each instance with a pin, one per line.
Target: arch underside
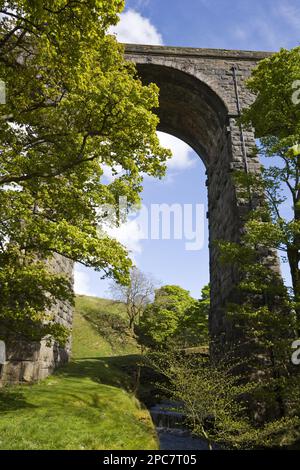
(194, 112)
(188, 109)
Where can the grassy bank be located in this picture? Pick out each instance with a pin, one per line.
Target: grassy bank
(89, 403)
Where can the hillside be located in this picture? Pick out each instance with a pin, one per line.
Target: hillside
(108, 334)
(89, 403)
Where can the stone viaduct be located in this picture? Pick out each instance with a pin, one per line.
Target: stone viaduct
(202, 92)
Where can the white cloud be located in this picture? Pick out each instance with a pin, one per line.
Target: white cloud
(108, 174)
(82, 282)
(133, 28)
(183, 157)
(240, 33)
(130, 234)
(267, 32)
(259, 34)
(141, 3)
(134, 231)
(290, 13)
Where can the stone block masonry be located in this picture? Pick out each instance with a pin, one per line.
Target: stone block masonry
(201, 94)
(28, 362)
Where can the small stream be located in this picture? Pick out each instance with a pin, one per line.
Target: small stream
(169, 420)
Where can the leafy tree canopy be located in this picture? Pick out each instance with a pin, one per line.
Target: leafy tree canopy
(275, 114)
(276, 109)
(174, 318)
(267, 313)
(74, 107)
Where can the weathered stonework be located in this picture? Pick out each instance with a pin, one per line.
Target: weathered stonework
(30, 362)
(200, 101)
(202, 92)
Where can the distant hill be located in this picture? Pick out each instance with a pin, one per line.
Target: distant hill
(101, 327)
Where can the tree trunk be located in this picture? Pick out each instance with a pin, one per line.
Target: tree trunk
(131, 323)
(294, 259)
(294, 251)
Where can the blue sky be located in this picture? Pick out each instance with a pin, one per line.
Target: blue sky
(225, 24)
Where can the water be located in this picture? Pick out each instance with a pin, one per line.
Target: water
(168, 415)
(169, 420)
(170, 440)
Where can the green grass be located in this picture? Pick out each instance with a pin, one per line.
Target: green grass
(85, 405)
(109, 324)
(94, 305)
(86, 340)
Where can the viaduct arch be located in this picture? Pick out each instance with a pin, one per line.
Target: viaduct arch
(202, 92)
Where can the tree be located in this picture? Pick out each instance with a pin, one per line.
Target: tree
(136, 295)
(265, 316)
(174, 318)
(210, 395)
(74, 105)
(276, 109)
(275, 114)
(192, 329)
(266, 311)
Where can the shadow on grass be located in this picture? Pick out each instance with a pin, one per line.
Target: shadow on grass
(130, 373)
(113, 371)
(122, 372)
(12, 400)
(116, 371)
